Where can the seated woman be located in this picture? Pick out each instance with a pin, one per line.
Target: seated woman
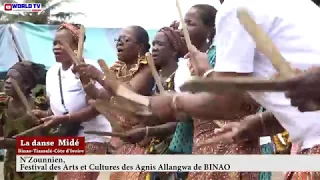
(13, 115)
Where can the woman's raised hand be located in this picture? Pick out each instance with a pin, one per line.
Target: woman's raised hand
(88, 70)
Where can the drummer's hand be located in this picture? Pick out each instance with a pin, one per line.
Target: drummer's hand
(229, 133)
(175, 25)
(52, 121)
(39, 113)
(88, 70)
(305, 88)
(198, 60)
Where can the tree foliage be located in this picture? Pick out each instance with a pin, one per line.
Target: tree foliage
(44, 17)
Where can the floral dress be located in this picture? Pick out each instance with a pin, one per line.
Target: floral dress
(204, 129)
(121, 147)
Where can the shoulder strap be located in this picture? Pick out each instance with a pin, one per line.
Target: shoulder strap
(61, 92)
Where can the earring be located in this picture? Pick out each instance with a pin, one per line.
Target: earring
(75, 51)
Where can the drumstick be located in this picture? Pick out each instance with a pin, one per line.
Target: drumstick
(69, 51)
(155, 73)
(35, 128)
(23, 99)
(81, 44)
(268, 48)
(264, 44)
(185, 33)
(120, 89)
(221, 85)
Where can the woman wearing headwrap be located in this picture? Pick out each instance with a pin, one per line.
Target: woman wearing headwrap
(15, 119)
(201, 27)
(132, 69)
(68, 101)
(167, 48)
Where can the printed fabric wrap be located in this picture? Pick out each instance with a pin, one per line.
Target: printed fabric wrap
(15, 126)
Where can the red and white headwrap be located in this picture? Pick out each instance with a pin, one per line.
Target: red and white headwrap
(73, 29)
(175, 40)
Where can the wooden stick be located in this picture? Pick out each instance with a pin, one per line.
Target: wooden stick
(35, 128)
(221, 85)
(264, 44)
(155, 73)
(269, 49)
(99, 133)
(81, 44)
(120, 89)
(74, 58)
(184, 28)
(185, 33)
(23, 99)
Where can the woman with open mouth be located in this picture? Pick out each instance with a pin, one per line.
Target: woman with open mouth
(132, 69)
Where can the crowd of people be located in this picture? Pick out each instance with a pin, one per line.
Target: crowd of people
(221, 48)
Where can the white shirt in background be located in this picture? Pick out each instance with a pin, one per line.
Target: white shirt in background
(75, 99)
(297, 36)
(182, 74)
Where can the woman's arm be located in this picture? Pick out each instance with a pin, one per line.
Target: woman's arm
(162, 130)
(85, 114)
(262, 124)
(141, 83)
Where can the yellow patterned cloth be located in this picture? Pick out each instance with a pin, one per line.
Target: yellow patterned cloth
(282, 143)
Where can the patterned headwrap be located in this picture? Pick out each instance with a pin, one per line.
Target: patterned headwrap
(175, 40)
(74, 30)
(31, 72)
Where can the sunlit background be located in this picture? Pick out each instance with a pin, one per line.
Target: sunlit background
(121, 13)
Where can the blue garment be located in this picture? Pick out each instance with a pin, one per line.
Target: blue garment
(212, 55)
(182, 140)
(266, 149)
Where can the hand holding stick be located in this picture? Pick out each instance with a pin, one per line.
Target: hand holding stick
(186, 34)
(189, 44)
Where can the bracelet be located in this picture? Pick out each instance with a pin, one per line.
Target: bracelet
(207, 73)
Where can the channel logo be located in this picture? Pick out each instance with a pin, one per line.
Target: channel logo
(7, 7)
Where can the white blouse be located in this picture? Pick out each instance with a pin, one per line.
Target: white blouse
(74, 99)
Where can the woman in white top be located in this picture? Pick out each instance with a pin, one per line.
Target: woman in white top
(68, 101)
